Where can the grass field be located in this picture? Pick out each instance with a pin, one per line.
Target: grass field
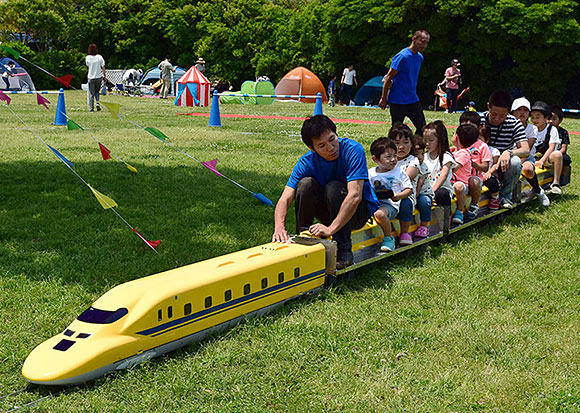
(487, 322)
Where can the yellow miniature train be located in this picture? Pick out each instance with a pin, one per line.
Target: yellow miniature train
(151, 316)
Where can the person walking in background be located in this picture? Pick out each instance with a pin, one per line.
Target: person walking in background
(347, 82)
(400, 83)
(97, 74)
(165, 67)
(452, 76)
(332, 91)
(200, 65)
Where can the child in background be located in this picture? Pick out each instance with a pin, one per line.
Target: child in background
(465, 136)
(547, 141)
(439, 161)
(390, 184)
(556, 120)
(521, 110)
(406, 161)
(424, 192)
(332, 91)
(481, 159)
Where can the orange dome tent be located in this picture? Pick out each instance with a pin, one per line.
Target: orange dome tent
(301, 81)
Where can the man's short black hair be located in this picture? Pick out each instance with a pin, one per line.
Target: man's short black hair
(557, 110)
(380, 146)
(421, 31)
(314, 127)
(467, 134)
(500, 99)
(470, 117)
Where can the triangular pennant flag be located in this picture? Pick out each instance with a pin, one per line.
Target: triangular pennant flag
(13, 52)
(131, 168)
(104, 151)
(5, 97)
(41, 100)
(113, 108)
(157, 133)
(65, 80)
(152, 244)
(72, 125)
(104, 200)
(60, 156)
(211, 166)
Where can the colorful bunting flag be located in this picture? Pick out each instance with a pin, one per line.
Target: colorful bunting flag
(131, 168)
(41, 100)
(157, 133)
(60, 156)
(104, 151)
(113, 108)
(211, 166)
(72, 125)
(5, 98)
(152, 244)
(104, 200)
(65, 80)
(11, 51)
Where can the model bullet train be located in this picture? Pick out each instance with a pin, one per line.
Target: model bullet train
(151, 316)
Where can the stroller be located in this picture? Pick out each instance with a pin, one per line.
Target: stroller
(441, 96)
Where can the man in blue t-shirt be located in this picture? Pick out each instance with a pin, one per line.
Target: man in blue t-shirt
(401, 80)
(330, 182)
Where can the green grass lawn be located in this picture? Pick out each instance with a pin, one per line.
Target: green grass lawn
(489, 321)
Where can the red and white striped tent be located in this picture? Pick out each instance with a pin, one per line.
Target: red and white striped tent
(192, 89)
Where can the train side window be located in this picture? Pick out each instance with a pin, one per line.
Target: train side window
(296, 272)
(246, 289)
(228, 295)
(187, 309)
(169, 312)
(159, 315)
(208, 302)
(264, 283)
(281, 277)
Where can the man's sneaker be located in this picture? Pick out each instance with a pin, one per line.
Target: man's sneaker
(472, 212)
(405, 239)
(388, 244)
(422, 232)
(545, 201)
(344, 259)
(493, 203)
(457, 217)
(98, 107)
(555, 189)
(506, 204)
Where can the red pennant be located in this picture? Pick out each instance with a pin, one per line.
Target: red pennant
(65, 80)
(211, 166)
(104, 151)
(152, 244)
(41, 100)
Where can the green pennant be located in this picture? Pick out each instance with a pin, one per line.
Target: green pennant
(72, 125)
(157, 133)
(13, 52)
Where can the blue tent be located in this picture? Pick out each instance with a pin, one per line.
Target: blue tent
(21, 79)
(370, 92)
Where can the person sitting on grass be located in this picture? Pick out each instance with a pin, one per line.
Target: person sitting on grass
(521, 110)
(463, 184)
(423, 192)
(547, 141)
(556, 120)
(390, 184)
(330, 182)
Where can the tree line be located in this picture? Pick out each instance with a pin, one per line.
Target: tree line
(528, 46)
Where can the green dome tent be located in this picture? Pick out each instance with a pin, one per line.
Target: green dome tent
(252, 88)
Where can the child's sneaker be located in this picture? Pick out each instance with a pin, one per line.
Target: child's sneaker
(555, 189)
(457, 217)
(405, 239)
(494, 203)
(472, 212)
(543, 198)
(506, 204)
(388, 244)
(422, 232)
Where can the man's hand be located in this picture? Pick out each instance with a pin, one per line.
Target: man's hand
(320, 230)
(280, 235)
(383, 103)
(504, 161)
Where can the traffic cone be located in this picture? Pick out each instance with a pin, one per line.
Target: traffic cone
(214, 115)
(318, 105)
(60, 117)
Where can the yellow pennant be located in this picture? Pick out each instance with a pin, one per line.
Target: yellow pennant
(131, 168)
(113, 108)
(104, 200)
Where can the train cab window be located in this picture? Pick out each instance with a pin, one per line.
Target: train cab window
(208, 302)
(68, 333)
(63, 345)
(169, 312)
(187, 309)
(95, 316)
(83, 335)
(281, 277)
(228, 295)
(159, 315)
(264, 283)
(246, 289)
(296, 272)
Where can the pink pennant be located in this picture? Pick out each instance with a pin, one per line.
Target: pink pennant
(152, 244)
(104, 151)
(41, 100)
(211, 166)
(5, 97)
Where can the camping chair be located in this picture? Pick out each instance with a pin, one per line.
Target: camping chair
(440, 97)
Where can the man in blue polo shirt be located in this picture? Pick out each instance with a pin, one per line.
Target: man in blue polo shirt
(330, 183)
(401, 80)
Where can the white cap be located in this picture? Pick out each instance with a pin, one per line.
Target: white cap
(521, 102)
